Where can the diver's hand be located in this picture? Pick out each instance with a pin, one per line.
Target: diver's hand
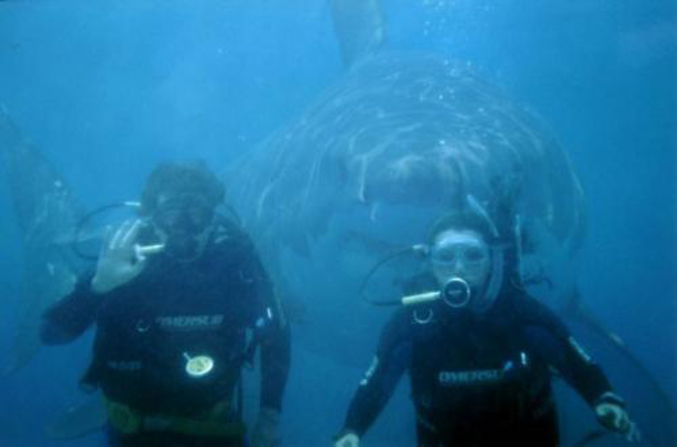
(614, 417)
(121, 259)
(266, 432)
(347, 439)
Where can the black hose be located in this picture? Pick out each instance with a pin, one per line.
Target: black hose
(85, 220)
(393, 255)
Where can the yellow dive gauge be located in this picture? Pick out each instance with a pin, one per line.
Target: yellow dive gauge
(198, 366)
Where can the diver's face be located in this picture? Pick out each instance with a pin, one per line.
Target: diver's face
(461, 254)
(183, 223)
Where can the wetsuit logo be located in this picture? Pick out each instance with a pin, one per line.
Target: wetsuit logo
(451, 378)
(579, 350)
(124, 366)
(190, 322)
(370, 372)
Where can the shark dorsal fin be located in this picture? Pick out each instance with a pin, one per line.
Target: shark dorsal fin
(360, 28)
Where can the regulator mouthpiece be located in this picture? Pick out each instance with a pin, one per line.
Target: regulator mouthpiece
(456, 293)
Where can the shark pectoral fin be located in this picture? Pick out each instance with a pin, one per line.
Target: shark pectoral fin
(83, 419)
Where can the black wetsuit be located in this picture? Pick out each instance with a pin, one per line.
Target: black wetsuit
(477, 380)
(149, 329)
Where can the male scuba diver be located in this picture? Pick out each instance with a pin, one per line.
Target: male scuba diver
(181, 302)
(479, 351)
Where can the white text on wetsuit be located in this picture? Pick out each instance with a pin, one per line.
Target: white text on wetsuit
(190, 322)
(449, 378)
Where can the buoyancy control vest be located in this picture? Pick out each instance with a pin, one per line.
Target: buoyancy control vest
(172, 341)
(470, 372)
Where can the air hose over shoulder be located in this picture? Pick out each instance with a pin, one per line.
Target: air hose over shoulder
(417, 250)
(88, 217)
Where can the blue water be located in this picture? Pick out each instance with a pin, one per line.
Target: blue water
(107, 89)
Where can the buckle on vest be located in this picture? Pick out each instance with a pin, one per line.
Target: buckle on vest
(123, 418)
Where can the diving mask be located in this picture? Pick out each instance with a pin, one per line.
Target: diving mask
(187, 213)
(461, 254)
(183, 224)
(469, 272)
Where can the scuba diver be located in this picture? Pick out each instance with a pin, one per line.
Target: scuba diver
(181, 303)
(479, 351)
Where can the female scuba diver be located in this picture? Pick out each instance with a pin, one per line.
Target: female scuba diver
(478, 349)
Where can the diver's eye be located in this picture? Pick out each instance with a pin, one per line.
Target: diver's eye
(444, 256)
(474, 254)
(452, 254)
(167, 217)
(196, 217)
(200, 216)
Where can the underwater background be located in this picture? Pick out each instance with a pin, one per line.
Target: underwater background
(107, 89)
